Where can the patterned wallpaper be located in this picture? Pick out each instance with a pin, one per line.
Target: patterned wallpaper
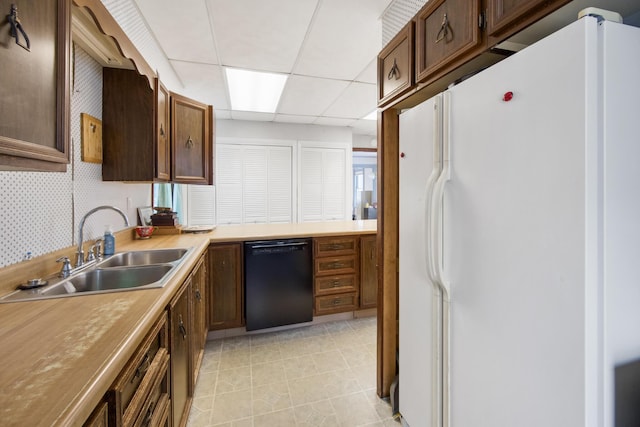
(40, 210)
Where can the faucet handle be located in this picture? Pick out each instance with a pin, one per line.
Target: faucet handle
(95, 251)
(66, 266)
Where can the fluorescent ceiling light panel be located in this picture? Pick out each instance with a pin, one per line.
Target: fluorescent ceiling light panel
(371, 116)
(254, 90)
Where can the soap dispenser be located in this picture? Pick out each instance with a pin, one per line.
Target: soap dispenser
(109, 242)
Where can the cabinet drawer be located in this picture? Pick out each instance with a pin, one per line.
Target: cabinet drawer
(335, 246)
(131, 389)
(153, 409)
(335, 284)
(395, 65)
(336, 265)
(336, 303)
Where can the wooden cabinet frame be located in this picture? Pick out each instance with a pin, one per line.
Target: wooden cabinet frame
(21, 151)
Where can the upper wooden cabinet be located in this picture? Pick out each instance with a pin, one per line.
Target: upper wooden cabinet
(140, 125)
(396, 66)
(135, 132)
(35, 89)
(448, 32)
(192, 141)
(505, 17)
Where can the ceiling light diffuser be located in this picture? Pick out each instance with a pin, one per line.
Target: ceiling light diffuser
(254, 90)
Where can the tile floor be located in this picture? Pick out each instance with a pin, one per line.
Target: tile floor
(320, 375)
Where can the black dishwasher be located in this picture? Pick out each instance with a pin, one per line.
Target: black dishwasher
(278, 283)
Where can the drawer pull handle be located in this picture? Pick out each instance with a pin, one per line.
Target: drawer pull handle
(149, 416)
(142, 368)
(198, 295)
(181, 328)
(394, 71)
(336, 301)
(444, 30)
(189, 143)
(335, 283)
(161, 130)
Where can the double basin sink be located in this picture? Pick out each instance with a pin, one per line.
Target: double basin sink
(120, 272)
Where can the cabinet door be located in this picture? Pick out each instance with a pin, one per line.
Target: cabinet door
(199, 316)
(224, 290)
(34, 112)
(191, 141)
(368, 272)
(180, 342)
(99, 417)
(446, 31)
(396, 66)
(507, 16)
(163, 147)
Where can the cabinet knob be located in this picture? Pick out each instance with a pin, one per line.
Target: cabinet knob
(394, 71)
(444, 30)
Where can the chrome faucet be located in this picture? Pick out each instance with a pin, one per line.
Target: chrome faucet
(80, 252)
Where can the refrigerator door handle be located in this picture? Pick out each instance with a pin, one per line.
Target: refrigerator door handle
(431, 182)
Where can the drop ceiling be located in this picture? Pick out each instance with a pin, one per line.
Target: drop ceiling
(327, 47)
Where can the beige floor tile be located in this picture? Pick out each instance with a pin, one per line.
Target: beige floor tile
(284, 418)
(354, 410)
(308, 390)
(269, 352)
(199, 418)
(329, 361)
(270, 398)
(234, 380)
(231, 406)
(206, 384)
(358, 355)
(318, 414)
(267, 373)
(235, 359)
(366, 375)
(320, 375)
(299, 367)
(235, 343)
(339, 383)
(245, 422)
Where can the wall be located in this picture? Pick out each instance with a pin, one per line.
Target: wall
(41, 210)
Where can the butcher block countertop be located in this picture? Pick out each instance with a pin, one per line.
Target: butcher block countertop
(59, 356)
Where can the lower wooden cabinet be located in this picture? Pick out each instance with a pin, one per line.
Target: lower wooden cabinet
(368, 272)
(335, 274)
(180, 330)
(200, 327)
(225, 287)
(99, 417)
(144, 382)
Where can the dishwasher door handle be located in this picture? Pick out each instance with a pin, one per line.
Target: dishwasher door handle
(284, 245)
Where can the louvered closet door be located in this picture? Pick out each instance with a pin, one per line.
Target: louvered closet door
(255, 185)
(280, 179)
(201, 199)
(323, 184)
(229, 183)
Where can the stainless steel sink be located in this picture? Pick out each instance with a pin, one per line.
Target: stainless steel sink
(125, 271)
(111, 279)
(160, 256)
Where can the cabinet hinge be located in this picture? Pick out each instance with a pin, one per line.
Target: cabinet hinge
(482, 20)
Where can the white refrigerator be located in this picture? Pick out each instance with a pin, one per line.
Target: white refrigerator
(519, 242)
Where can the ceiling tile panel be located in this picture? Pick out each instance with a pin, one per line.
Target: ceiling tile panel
(181, 28)
(369, 74)
(309, 96)
(343, 39)
(260, 35)
(365, 127)
(333, 121)
(203, 82)
(358, 100)
(291, 118)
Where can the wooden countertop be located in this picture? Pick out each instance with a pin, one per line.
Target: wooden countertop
(59, 356)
